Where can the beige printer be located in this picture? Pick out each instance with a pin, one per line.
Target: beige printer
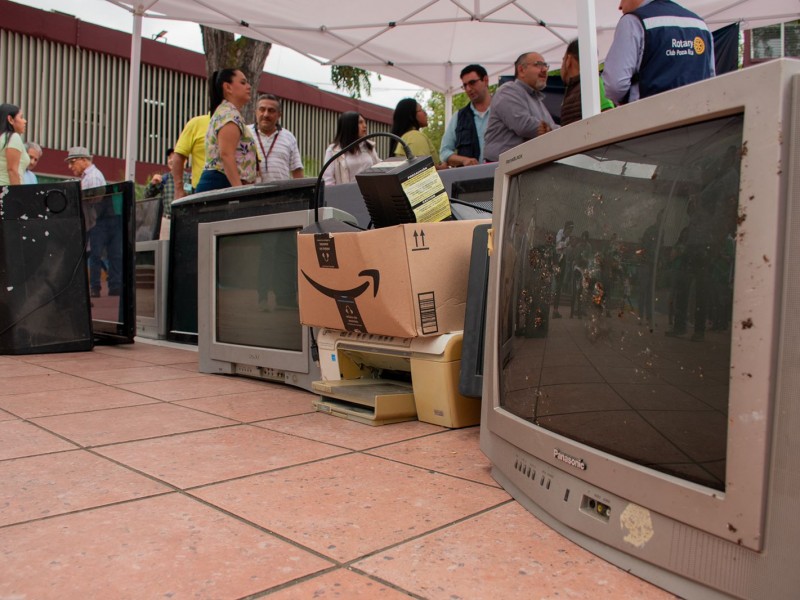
(378, 379)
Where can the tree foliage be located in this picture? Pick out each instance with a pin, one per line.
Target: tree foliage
(353, 80)
(224, 51)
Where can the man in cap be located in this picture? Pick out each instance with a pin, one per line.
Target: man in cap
(103, 224)
(80, 163)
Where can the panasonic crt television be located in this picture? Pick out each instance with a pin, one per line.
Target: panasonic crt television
(207, 207)
(658, 425)
(248, 315)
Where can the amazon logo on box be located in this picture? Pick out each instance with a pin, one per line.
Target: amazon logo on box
(404, 281)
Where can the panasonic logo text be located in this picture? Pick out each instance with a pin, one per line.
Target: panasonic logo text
(570, 460)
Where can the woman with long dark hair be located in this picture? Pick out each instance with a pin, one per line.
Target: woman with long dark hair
(230, 148)
(409, 117)
(14, 158)
(350, 127)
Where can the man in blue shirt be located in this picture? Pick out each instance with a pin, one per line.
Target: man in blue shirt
(658, 45)
(462, 143)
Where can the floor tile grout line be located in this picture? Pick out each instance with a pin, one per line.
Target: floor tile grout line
(26, 456)
(312, 576)
(350, 563)
(86, 509)
(147, 402)
(436, 471)
(367, 449)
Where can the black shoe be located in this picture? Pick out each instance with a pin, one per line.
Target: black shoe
(113, 292)
(95, 293)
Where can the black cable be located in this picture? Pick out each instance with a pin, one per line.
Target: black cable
(320, 191)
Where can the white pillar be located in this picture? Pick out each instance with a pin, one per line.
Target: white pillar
(132, 139)
(448, 94)
(590, 78)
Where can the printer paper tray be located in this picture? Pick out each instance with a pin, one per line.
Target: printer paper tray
(370, 401)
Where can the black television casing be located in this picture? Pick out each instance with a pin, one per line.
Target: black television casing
(470, 382)
(207, 207)
(121, 329)
(45, 297)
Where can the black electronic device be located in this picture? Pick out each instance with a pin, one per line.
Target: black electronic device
(470, 382)
(207, 207)
(404, 191)
(109, 218)
(44, 299)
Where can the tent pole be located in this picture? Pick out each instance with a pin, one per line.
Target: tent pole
(448, 95)
(590, 79)
(132, 137)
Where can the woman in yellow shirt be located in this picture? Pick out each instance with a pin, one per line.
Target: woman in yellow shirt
(409, 117)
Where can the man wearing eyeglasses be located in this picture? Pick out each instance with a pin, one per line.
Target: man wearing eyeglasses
(463, 140)
(658, 45)
(518, 110)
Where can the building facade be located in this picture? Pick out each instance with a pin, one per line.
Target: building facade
(71, 80)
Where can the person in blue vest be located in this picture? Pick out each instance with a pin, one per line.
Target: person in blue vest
(658, 45)
(462, 142)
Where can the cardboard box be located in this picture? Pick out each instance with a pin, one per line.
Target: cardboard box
(404, 281)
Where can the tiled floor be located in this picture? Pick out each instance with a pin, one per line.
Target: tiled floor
(126, 474)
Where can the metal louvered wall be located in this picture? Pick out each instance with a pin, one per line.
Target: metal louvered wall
(73, 96)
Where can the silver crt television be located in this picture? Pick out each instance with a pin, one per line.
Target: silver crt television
(642, 365)
(248, 315)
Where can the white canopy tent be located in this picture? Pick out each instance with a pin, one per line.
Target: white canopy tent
(428, 42)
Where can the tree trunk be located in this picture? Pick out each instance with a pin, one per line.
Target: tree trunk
(248, 55)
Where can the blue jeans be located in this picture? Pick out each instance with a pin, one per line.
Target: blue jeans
(105, 238)
(212, 180)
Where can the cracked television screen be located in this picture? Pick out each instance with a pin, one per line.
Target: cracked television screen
(617, 297)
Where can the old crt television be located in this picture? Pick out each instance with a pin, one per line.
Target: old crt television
(658, 426)
(109, 217)
(152, 265)
(207, 207)
(44, 296)
(249, 319)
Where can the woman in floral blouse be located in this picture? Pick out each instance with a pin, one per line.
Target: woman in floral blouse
(230, 148)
